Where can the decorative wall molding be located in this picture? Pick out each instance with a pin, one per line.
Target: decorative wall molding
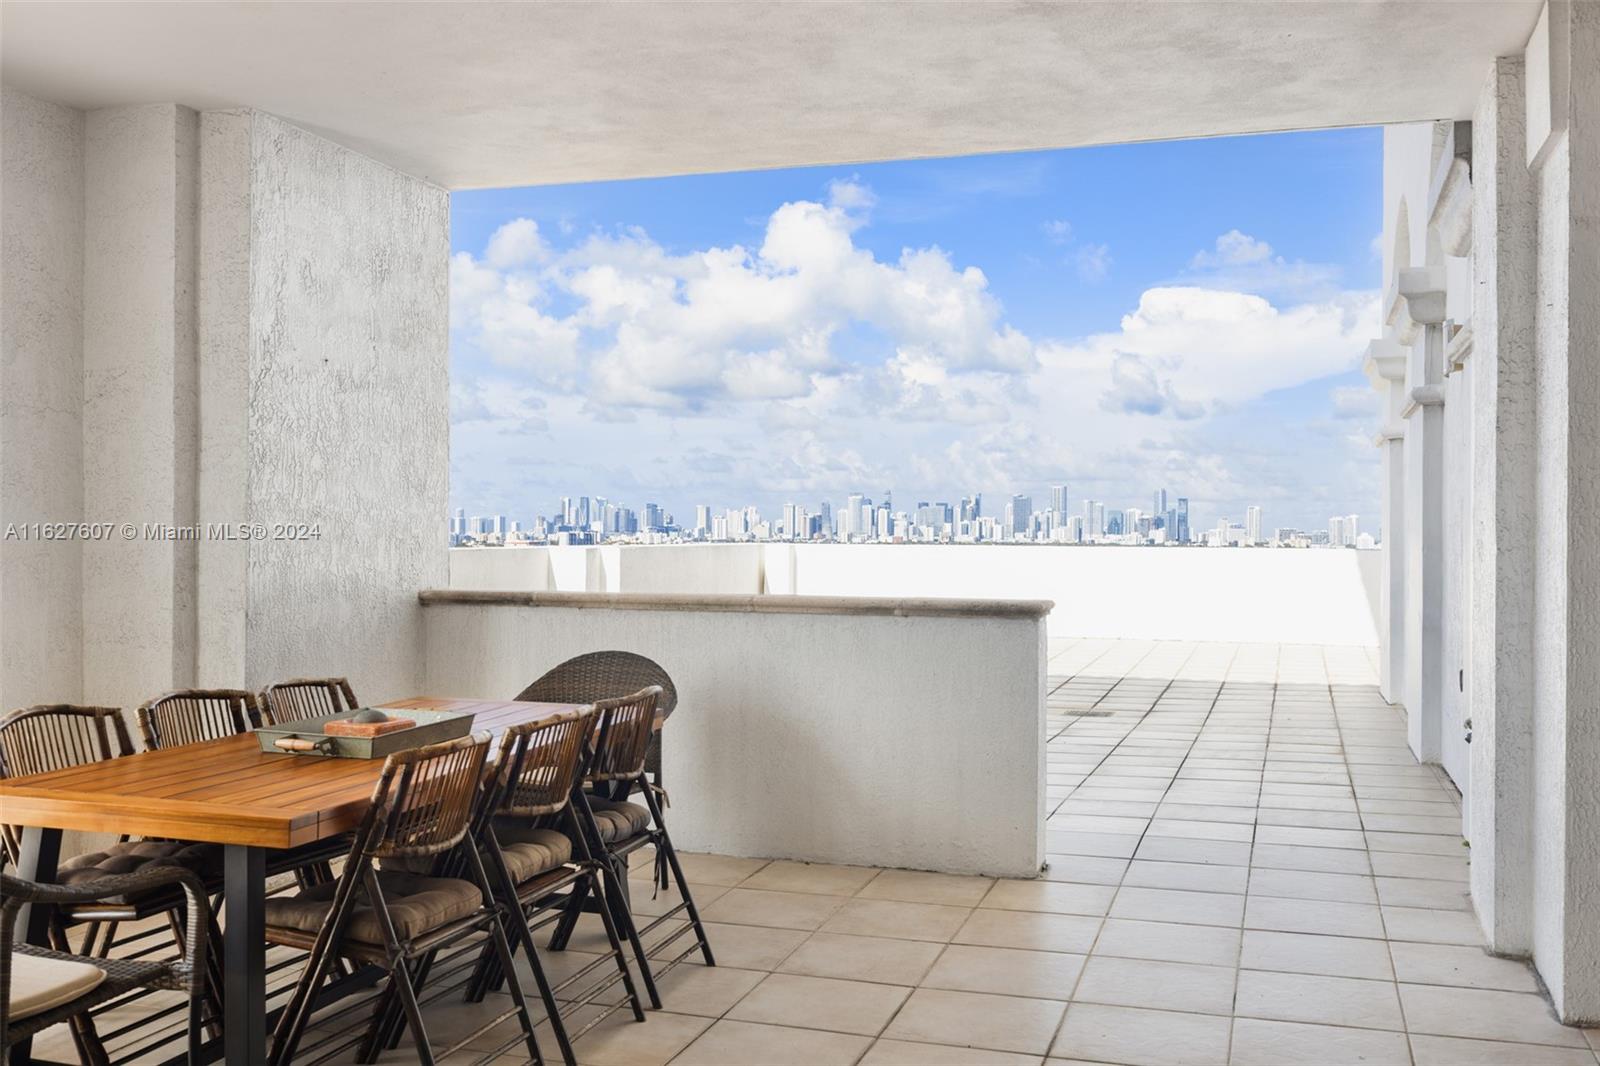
(1423, 396)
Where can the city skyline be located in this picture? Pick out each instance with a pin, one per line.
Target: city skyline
(861, 519)
(1115, 317)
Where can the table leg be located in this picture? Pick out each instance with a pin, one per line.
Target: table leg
(36, 861)
(244, 955)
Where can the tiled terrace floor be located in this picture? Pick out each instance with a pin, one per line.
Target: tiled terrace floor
(1246, 866)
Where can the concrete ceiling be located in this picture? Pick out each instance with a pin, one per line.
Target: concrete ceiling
(497, 94)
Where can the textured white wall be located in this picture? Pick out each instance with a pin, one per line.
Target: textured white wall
(1500, 669)
(41, 397)
(830, 737)
(138, 399)
(332, 388)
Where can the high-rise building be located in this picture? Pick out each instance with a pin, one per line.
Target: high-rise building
(702, 518)
(1252, 525)
(1058, 502)
(1181, 533)
(1352, 529)
(1336, 532)
(1021, 511)
(1160, 507)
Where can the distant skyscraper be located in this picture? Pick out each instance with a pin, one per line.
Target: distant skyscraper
(1021, 513)
(1058, 501)
(1181, 534)
(1252, 525)
(1336, 531)
(1352, 529)
(702, 518)
(1160, 502)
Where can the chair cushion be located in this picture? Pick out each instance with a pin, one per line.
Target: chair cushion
(417, 905)
(126, 857)
(535, 851)
(617, 820)
(41, 984)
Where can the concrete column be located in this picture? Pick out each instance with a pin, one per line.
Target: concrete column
(1423, 292)
(139, 399)
(1500, 635)
(1385, 368)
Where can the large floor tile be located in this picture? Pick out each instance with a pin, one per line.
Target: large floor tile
(915, 886)
(776, 910)
(821, 1003)
(1258, 1042)
(999, 1023)
(1092, 1032)
(1518, 1017)
(1171, 905)
(1029, 929)
(1332, 956)
(891, 918)
(735, 1043)
(1006, 971)
(811, 877)
(1458, 1051)
(621, 1041)
(1296, 997)
(1157, 985)
(1210, 945)
(867, 958)
(906, 1053)
(1461, 965)
(1057, 897)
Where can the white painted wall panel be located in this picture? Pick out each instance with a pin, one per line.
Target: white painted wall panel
(830, 737)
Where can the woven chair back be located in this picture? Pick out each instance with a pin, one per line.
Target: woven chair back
(540, 762)
(307, 697)
(39, 739)
(190, 716)
(623, 735)
(424, 798)
(602, 675)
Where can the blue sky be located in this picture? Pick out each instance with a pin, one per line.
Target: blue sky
(1187, 315)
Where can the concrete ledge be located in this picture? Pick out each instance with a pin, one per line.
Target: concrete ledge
(896, 607)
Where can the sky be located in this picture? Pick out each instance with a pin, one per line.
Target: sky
(1184, 315)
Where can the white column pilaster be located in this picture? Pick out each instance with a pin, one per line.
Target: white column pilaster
(1385, 366)
(1422, 293)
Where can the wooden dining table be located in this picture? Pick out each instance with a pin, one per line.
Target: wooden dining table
(226, 792)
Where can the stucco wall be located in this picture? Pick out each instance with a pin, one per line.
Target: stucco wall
(138, 399)
(912, 742)
(340, 380)
(41, 397)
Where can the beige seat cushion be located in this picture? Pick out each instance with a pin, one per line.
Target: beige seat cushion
(533, 852)
(619, 821)
(40, 984)
(417, 905)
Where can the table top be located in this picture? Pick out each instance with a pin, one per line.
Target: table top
(228, 791)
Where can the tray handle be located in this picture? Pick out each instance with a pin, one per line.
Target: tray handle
(297, 745)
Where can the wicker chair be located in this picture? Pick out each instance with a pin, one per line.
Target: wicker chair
(615, 828)
(190, 716)
(185, 974)
(57, 736)
(61, 736)
(307, 697)
(606, 675)
(422, 808)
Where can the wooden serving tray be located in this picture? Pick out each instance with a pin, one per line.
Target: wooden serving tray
(311, 736)
(343, 727)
